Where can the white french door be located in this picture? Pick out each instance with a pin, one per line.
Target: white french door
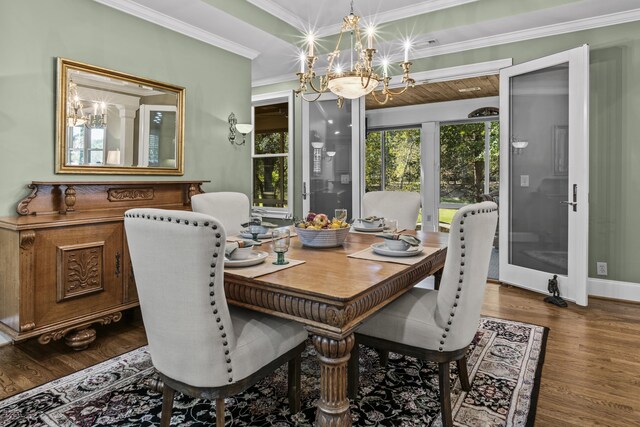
(544, 173)
(332, 140)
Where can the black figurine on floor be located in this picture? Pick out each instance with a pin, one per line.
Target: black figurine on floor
(555, 299)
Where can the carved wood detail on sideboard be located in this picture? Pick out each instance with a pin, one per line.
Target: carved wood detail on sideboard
(122, 194)
(79, 270)
(64, 260)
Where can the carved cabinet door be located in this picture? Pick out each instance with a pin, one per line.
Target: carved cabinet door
(78, 271)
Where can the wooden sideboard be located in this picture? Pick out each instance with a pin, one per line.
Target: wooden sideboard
(64, 261)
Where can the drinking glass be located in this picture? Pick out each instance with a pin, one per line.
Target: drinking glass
(281, 239)
(340, 214)
(390, 225)
(255, 225)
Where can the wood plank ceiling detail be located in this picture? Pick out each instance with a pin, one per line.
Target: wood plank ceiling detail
(441, 91)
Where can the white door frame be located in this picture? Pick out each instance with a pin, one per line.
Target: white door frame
(357, 148)
(574, 286)
(145, 117)
(267, 99)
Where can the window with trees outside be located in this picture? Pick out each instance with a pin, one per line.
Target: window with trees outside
(469, 165)
(87, 145)
(392, 160)
(271, 157)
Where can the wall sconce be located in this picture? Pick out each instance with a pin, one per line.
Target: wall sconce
(518, 145)
(330, 155)
(235, 127)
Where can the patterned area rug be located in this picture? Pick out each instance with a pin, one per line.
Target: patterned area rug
(505, 363)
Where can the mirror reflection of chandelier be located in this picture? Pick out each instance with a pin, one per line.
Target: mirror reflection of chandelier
(76, 115)
(359, 78)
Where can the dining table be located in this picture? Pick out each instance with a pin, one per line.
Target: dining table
(332, 294)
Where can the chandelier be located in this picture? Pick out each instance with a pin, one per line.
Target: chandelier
(76, 115)
(359, 79)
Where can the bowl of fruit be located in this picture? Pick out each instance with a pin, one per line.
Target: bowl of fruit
(317, 231)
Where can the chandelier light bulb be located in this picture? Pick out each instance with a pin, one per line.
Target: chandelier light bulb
(407, 47)
(311, 41)
(302, 60)
(371, 31)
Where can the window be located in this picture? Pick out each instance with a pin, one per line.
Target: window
(392, 160)
(465, 173)
(271, 156)
(87, 145)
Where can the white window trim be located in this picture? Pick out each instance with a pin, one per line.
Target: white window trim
(266, 99)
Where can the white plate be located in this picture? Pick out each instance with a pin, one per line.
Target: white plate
(382, 249)
(256, 258)
(248, 235)
(367, 229)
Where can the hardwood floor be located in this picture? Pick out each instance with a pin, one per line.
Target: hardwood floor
(591, 373)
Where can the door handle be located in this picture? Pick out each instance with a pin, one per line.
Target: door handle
(573, 204)
(304, 191)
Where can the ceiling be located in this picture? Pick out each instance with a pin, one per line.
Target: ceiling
(270, 32)
(441, 91)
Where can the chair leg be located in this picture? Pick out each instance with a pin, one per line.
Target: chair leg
(167, 406)
(220, 412)
(463, 374)
(384, 357)
(294, 383)
(353, 372)
(445, 396)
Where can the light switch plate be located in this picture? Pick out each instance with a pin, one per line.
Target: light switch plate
(524, 180)
(344, 178)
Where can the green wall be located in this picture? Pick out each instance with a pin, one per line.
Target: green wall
(34, 32)
(614, 148)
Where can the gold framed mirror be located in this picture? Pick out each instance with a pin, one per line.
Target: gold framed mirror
(109, 122)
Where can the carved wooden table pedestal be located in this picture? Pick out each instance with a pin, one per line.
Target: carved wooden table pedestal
(332, 295)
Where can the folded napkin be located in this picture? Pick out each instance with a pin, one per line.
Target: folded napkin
(230, 247)
(410, 240)
(263, 223)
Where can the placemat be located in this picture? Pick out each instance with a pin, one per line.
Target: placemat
(266, 267)
(368, 254)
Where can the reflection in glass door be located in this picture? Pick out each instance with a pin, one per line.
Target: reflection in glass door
(330, 145)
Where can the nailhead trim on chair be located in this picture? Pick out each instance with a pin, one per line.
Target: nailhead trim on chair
(461, 279)
(218, 244)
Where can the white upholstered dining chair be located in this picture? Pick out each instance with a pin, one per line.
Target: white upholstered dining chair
(199, 345)
(439, 325)
(230, 208)
(401, 205)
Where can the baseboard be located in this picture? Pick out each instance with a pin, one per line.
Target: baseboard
(613, 289)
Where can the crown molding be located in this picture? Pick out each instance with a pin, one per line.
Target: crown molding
(281, 13)
(513, 37)
(294, 20)
(531, 33)
(178, 26)
(396, 14)
(460, 72)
